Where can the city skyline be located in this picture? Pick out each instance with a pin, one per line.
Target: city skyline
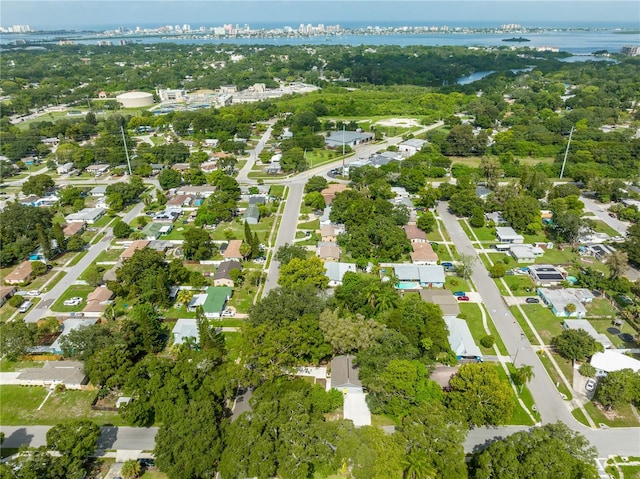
(99, 14)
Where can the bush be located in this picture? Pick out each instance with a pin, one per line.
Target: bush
(587, 370)
(38, 268)
(487, 341)
(506, 260)
(498, 270)
(16, 301)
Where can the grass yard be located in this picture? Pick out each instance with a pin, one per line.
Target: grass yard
(520, 416)
(235, 229)
(553, 374)
(232, 341)
(110, 255)
(484, 234)
(580, 417)
(73, 290)
(309, 225)
(19, 404)
(600, 226)
(6, 311)
(176, 233)
(318, 157)
(523, 324)
(473, 316)
(77, 258)
(601, 307)
(242, 298)
(7, 366)
(537, 238)
(277, 191)
(443, 253)
(455, 283)
(545, 322)
(519, 284)
(622, 417)
(601, 326)
(154, 475)
(435, 236)
(555, 256)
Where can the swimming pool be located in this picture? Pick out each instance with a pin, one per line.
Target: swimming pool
(572, 279)
(407, 285)
(198, 202)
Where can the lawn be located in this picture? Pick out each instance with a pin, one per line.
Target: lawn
(601, 326)
(484, 234)
(109, 255)
(473, 316)
(622, 417)
(523, 324)
(232, 341)
(19, 404)
(277, 191)
(601, 307)
(520, 416)
(435, 236)
(556, 256)
(242, 298)
(318, 157)
(518, 284)
(73, 290)
(309, 225)
(6, 365)
(602, 227)
(6, 311)
(175, 233)
(443, 253)
(455, 283)
(154, 475)
(553, 374)
(77, 258)
(235, 229)
(545, 322)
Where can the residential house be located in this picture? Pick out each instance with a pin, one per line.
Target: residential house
(598, 251)
(330, 192)
(415, 276)
(178, 201)
(381, 159)
(99, 191)
(181, 167)
(21, 274)
(97, 301)
(415, 234)
(328, 251)
(586, 325)
(6, 292)
(526, 253)
(251, 215)
(203, 191)
(185, 328)
(97, 170)
(496, 217)
(257, 200)
(133, 247)
(546, 274)
(209, 166)
(338, 139)
(222, 275)
(69, 325)
(87, 215)
(442, 297)
(345, 378)
(507, 235)
(559, 300)
(70, 374)
(335, 271)
(74, 228)
(423, 254)
(215, 301)
(170, 215)
(411, 146)
(153, 230)
(65, 168)
(330, 232)
(233, 251)
(610, 361)
(461, 340)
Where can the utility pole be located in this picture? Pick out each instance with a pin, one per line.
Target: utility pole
(566, 152)
(343, 145)
(126, 151)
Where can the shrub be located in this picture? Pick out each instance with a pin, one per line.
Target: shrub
(587, 370)
(16, 300)
(498, 270)
(487, 341)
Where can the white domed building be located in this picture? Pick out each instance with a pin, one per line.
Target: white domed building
(135, 99)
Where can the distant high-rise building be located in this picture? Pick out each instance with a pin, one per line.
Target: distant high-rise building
(631, 50)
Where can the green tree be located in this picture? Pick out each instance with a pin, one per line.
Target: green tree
(347, 334)
(498, 270)
(467, 263)
(575, 344)
(74, 440)
(290, 251)
(16, 338)
(552, 450)
(38, 268)
(619, 388)
(315, 183)
(426, 222)
(198, 244)
(131, 469)
(477, 217)
(479, 394)
(523, 375)
(617, 262)
(314, 200)
(121, 229)
(38, 185)
(169, 178)
(522, 211)
(631, 244)
(303, 272)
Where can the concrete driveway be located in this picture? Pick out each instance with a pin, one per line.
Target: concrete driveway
(356, 408)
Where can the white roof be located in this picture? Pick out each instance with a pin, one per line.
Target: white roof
(506, 232)
(87, 214)
(522, 252)
(68, 326)
(335, 271)
(460, 338)
(424, 273)
(610, 361)
(185, 328)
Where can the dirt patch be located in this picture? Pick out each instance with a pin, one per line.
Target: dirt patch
(401, 122)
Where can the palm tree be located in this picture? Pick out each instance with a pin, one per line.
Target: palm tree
(131, 469)
(416, 467)
(524, 374)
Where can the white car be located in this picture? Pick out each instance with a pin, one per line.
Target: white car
(33, 292)
(591, 385)
(228, 313)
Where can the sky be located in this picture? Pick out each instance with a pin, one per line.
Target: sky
(98, 14)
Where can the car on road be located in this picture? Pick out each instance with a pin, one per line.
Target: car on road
(459, 293)
(462, 298)
(532, 300)
(591, 385)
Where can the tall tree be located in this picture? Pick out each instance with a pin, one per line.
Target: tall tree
(575, 344)
(617, 262)
(524, 374)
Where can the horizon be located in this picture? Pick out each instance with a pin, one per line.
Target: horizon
(75, 15)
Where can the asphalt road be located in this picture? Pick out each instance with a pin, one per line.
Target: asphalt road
(552, 408)
(48, 298)
(602, 214)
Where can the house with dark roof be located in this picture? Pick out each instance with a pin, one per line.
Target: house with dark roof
(344, 374)
(443, 298)
(222, 276)
(546, 274)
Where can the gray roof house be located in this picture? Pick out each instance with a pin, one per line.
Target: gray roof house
(185, 328)
(461, 340)
(69, 373)
(586, 325)
(506, 234)
(427, 276)
(344, 375)
(68, 326)
(251, 215)
(335, 271)
(348, 138)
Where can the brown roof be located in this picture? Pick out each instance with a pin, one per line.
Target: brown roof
(73, 228)
(423, 252)
(136, 245)
(413, 232)
(178, 200)
(100, 294)
(443, 374)
(329, 230)
(6, 291)
(20, 274)
(331, 190)
(443, 298)
(328, 250)
(233, 249)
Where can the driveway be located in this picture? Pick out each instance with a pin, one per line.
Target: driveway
(356, 408)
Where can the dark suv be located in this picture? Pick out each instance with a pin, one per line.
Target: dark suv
(532, 300)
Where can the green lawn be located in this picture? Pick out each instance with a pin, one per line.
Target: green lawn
(6, 365)
(73, 290)
(176, 233)
(580, 417)
(485, 234)
(455, 283)
(520, 416)
(523, 324)
(236, 229)
(309, 225)
(435, 236)
(232, 341)
(622, 417)
(318, 157)
(600, 307)
(109, 255)
(518, 284)
(555, 377)
(77, 258)
(19, 404)
(602, 227)
(443, 253)
(545, 322)
(473, 316)
(601, 326)
(555, 256)
(277, 191)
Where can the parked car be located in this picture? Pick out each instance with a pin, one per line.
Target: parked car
(76, 315)
(462, 298)
(33, 292)
(446, 264)
(591, 385)
(24, 307)
(228, 313)
(532, 300)
(459, 293)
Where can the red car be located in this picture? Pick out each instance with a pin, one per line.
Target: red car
(463, 298)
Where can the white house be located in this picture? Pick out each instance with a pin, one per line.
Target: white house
(335, 271)
(185, 328)
(610, 361)
(411, 146)
(87, 215)
(506, 234)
